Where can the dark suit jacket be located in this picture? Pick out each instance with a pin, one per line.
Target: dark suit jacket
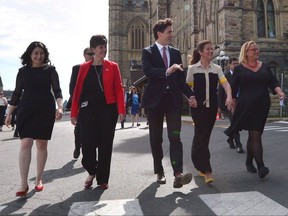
(73, 79)
(221, 92)
(154, 69)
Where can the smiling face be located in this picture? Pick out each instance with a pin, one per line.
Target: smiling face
(165, 37)
(207, 52)
(37, 57)
(252, 52)
(100, 51)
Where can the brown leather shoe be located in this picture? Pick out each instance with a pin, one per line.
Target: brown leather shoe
(182, 179)
(161, 178)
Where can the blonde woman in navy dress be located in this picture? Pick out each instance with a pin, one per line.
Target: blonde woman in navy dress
(36, 111)
(253, 78)
(203, 76)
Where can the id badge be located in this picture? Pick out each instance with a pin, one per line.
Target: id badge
(84, 104)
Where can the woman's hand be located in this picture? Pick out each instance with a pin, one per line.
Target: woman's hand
(229, 103)
(8, 120)
(73, 121)
(59, 113)
(192, 101)
(121, 117)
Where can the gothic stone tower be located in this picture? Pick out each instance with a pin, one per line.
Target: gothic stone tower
(128, 35)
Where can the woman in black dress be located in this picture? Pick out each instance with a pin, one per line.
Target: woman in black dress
(35, 109)
(252, 79)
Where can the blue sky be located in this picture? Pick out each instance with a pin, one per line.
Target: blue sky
(64, 26)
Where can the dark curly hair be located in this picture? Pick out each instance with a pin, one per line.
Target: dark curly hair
(26, 56)
(98, 40)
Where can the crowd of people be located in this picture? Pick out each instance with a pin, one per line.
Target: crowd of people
(98, 99)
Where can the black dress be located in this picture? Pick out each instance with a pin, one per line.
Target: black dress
(35, 101)
(253, 103)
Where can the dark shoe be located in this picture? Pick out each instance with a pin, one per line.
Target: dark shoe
(16, 134)
(161, 178)
(138, 125)
(231, 143)
(251, 168)
(240, 150)
(76, 153)
(181, 179)
(262, 172)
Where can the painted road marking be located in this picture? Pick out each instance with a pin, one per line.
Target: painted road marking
(107, 207)
(243, 203)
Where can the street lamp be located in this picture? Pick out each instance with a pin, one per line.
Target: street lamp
(222, 60)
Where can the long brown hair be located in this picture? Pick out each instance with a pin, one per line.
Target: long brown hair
(196, 55)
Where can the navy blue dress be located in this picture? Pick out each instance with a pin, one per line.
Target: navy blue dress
(253, 103)
(33, 96)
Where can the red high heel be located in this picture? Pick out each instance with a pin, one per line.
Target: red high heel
(22, 193)
(39, 188)
(88, 184)
(104, 186)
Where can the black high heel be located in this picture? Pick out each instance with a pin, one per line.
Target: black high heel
(262, 172)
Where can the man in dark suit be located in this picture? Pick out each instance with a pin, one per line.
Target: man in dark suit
(88, 56)
(233, 62)
(163, 96)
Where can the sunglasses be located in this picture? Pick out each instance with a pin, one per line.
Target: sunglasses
(90, 54)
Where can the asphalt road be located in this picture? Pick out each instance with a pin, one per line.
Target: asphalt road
(133, 190)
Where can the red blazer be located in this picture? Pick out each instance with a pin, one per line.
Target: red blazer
(112, 84)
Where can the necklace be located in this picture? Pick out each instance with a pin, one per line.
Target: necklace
(253, 66)
(99, 74)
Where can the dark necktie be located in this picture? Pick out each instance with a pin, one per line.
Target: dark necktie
(165, 57)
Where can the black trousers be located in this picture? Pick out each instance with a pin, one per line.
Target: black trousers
(97, 132)
(204, 120)
(77, 136)
(155, 117)
(235, 135)
(2, 115)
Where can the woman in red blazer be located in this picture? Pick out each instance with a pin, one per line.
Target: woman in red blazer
(98, 99)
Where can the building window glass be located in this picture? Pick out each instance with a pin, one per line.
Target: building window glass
(266, 19)
(137, 36)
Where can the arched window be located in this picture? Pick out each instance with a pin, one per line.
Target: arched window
(137, 35)
(266, 19)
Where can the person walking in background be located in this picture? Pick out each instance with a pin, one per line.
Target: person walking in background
(88, 56)
(253, 78)
(233, 62)
(163, 96)
(134, 102)
(14, 123)
(126, 96)
(203, 76)
(97, 100)
(3, 106)
(36, 111)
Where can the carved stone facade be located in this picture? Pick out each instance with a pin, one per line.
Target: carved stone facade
(226, 23)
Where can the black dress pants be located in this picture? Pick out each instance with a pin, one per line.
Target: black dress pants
(97, 132)
(77, 136)
(204, 120)
(155, 117)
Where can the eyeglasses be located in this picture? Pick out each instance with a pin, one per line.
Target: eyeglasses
(90, 54)
(254, 49)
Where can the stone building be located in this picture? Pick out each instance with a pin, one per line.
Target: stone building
(226, 23)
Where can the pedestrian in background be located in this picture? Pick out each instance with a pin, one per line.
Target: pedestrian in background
(126, 96)
(134, 102)
(88, 56)
(3, 107)
(163, 96)
(97, 100)
(36, 111)
(252, 77)
(235, 138)
(203, 76)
